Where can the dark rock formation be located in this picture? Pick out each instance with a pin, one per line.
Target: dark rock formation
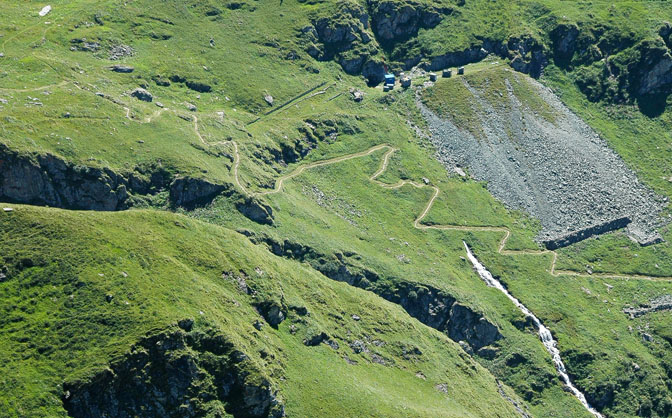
(652, 74)
(585, 233)
(142, 94)
(122, 69)
(527, 55)
(199, 86)
(431, 306)
(273, 312)
(255, 210)
(191, 192)
(437, 309)
(315, 339)
(347, 35)
(49, 181)
(564, 38)
(396, 21)
(175, 373)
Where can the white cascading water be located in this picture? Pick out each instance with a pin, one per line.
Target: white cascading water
(544, 333)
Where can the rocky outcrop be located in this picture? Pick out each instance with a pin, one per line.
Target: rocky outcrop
(189, 192)
(395, 21)
(142, 94)
(345, 36)
(273, 312)
(353, 34)
(176, 373)
(431, 306)
(256, 210)
(527, 55)
(439, 310)
(564, 38)
(46, 180)
(585, 233)
(662, 303)
(652, 74)
(452, 59)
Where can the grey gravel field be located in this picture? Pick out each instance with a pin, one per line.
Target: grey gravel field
(560, 172)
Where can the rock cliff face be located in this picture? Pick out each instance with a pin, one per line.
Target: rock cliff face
(176, 372)
(46, 180)
(354, 35)
(431, 306)
(653, 72)
(190, 192)
(395, 21)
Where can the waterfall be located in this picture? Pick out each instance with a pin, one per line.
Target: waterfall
(544, 333)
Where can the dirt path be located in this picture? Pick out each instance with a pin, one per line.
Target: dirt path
(279, 183)
(418, 221)
(385, 161)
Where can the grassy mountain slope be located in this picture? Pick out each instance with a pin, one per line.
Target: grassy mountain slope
(86, 286)
(348, 245)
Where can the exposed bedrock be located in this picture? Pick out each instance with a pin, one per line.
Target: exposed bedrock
(662, 303)
(548, 163)
(47, 180)
(429, 305)
(176, 373)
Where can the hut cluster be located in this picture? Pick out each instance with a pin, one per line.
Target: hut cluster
(405, 80)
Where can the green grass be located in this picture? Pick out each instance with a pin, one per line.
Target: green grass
(57, 324)
(174, 262)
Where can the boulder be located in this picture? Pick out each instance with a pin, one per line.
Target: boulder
(273, 312)
(122, 69)
(192, 192)
(142, 94)
(255, 210)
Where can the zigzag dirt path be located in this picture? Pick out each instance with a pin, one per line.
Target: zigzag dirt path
(418, 221)
(279, 183)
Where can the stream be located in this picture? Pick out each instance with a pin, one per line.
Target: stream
(544, 333)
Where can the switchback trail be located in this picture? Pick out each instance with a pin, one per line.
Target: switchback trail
(506, 233)
(279, 183)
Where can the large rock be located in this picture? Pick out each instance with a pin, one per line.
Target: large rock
(273, 312)
(142, 94)
(653, 72)
(255, 210)
(527, 54)
(191, 192)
